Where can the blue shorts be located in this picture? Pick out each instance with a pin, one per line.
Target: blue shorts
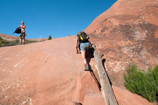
(84, 46)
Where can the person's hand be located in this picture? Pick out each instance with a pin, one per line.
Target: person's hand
(78, 52)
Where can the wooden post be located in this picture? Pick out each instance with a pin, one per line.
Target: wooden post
(107, 91)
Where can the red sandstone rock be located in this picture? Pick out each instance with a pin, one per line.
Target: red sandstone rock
(125, 97)
(39, 73)
(8, 37)
(86, 84)
(45, 73)
(126, 33)
(93, 99)
(72, 103)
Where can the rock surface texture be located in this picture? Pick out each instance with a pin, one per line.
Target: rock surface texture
(125, 33)
(86, 84)
(42, 73)
(51, 73)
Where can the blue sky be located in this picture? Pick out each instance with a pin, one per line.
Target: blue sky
(57, 18)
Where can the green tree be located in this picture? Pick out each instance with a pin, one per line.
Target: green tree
(50, 37)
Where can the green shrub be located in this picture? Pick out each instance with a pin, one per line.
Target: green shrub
(4, 43)
(50, 37)
(1, 39)
(16, 41)
(141, 82)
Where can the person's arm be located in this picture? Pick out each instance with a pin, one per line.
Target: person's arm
(77, 43)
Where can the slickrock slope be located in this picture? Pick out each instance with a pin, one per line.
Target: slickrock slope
(42, 73)
(45, 73)
(126, 33)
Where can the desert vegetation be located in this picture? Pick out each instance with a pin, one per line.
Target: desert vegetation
(144, 83)
(4, 43)
(50, 37)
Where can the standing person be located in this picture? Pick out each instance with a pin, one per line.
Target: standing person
(22, 34)
(82, 44)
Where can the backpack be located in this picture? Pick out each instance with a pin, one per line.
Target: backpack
(83, 37)
(17, 30)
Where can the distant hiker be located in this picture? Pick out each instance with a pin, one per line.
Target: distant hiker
(22, 34)
(82, 44)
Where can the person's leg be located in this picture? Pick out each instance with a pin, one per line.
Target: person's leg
(24, 37)
(20, 39)
(83, 57)
(24, 40)
(83, 47)
(84, 60)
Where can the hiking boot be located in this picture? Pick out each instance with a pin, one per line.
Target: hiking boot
(86, 68)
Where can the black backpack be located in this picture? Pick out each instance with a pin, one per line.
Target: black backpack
(83, 37)
(17, 30)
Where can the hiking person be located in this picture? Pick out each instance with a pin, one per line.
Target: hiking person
(82, 44)
(22, 34)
